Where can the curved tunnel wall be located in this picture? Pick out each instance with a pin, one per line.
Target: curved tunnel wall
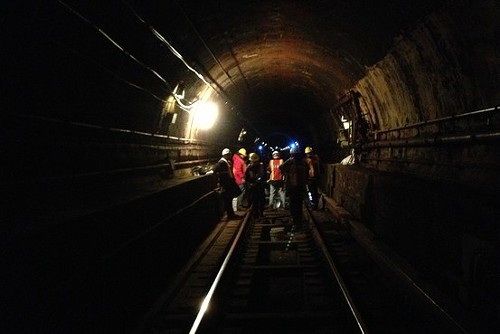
(69, 120)
(70, 115)
(428, 181)
(445, 67)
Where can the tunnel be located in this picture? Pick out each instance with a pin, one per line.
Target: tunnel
(103, 121)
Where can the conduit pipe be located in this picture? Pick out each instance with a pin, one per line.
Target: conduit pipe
(415, 142)
(439, 120)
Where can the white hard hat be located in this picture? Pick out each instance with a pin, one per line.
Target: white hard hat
(226, 151)
(276, 153)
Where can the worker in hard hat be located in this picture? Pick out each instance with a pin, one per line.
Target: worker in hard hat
(296, 172)
(312, 161)
(255, 182)
(225, 177)
(239, 169)
(276, 180)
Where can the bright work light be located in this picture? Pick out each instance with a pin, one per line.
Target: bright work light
(205, 114)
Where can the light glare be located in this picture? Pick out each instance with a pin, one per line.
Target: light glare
(205, 114)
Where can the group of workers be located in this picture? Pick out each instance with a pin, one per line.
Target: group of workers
(296, 177)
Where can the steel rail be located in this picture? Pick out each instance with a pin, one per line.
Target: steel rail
(408, 279)
(208, 297)
(343, 287)
(382, 259)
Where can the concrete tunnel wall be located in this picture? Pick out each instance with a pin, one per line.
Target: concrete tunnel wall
(436, 204)
(446, 231)
(448, 65)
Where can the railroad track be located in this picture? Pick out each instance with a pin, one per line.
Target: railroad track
(265, 277)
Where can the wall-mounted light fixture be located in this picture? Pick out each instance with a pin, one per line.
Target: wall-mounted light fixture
(203, 112)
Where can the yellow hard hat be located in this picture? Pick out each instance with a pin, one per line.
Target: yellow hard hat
(243, 152)
(308, 149)
(254, 157)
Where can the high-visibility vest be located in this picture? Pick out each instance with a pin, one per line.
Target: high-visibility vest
(274, 165)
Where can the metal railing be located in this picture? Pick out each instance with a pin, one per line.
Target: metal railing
(439, 120)
(436, 139)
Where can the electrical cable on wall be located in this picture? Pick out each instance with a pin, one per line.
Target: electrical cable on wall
(104, 68)
(156, 74)
(169, 46)
(183, 106)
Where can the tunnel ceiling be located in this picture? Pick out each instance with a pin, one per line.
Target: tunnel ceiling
(283, 64)
(280, 66)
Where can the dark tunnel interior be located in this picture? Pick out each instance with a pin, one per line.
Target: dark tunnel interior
(281, 70)
(278, 63)
(103, 107)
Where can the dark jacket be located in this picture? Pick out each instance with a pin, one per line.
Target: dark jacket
(296, 172)
(224, 170)
(255, 174)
